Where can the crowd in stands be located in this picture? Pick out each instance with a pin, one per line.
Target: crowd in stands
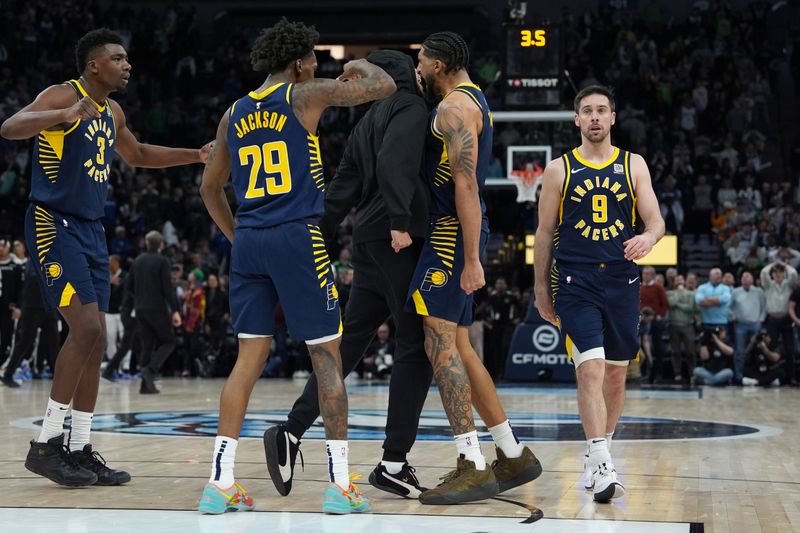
(695, 96)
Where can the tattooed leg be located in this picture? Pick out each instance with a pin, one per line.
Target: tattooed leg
(327, 364)
(449, 373)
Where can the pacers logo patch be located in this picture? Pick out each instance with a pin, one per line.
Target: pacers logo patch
(52, 271)
(434, 277)
(333, 296)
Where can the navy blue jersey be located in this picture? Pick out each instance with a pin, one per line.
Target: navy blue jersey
(276, 165)
(598, 210)
(437, 164)
(71, 167)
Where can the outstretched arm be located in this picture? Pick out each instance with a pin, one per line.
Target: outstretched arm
(216, 174)
(458, 121)
(361, 82)
(648, 208)
(54, 108)
(150, 155)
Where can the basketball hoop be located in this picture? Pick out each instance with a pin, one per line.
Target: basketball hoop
(526, 182)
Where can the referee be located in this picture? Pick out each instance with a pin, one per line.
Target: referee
(154, 300)
(380, 175)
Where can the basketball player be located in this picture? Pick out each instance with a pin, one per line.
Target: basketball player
(266, 141)
(588, 209)
(458, 150)
(77, 130)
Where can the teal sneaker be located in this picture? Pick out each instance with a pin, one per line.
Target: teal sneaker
(337, 501)
(217, 501)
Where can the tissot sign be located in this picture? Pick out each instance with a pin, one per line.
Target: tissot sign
(538, 353)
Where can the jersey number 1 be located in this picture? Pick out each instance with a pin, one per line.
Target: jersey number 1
(275, 160)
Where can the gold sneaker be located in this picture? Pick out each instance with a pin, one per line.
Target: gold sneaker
(512, 473)
(464, 484)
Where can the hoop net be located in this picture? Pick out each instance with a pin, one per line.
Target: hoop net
(526, 182)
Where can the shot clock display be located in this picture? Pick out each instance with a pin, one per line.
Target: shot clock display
(533, 67)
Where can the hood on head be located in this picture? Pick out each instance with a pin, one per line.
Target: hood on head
(399, 66)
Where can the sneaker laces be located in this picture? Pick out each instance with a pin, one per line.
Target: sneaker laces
(352, 491)
(448, 477)
(411, 473)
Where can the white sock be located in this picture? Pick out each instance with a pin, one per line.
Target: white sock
(468, 446)
(392, 467)
(222, 462)
(338, 470)
(80, 429)
(53, 424)
(598, 452)
(504, 438)
(609, 436)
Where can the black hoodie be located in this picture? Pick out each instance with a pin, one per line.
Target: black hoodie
(380, 171)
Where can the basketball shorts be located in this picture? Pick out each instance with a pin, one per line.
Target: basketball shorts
(286, 263)
(597, 306)
(436, 285)
(70, 255)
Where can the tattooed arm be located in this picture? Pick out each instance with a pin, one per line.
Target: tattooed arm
(458, 119)
(361, 82)
(216, 174)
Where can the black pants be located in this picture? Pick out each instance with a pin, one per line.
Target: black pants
(782, 328)
(158, 338)
(6, 330)
(131, 341)
(380, 286)
(29, 323)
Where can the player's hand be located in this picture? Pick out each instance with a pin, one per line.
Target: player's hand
(16, 313)
(352, 70)
(176, 319)
(400, 240)
(472, 276)
(638, 247)
(83, 109)
(544, 304)
(205, 150)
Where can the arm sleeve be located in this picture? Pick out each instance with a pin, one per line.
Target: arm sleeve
(762, 306)
(791, 274)
(399, 160)
(167, 288)
(725, 297)
(765, 279)
(342, 192)
(699, 295)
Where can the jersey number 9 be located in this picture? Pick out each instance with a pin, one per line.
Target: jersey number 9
(275, 161)
(599, 208)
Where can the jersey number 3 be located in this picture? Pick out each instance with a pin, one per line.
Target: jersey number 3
(275, 160)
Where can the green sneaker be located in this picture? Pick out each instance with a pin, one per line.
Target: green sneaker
(337, 501)
(512, 473)
(217, 501)
(464, 484)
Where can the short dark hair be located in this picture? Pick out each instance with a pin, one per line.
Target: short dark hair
(281, 44)
(92, 41)
(153, 240)
(608, 92)
(449, 48)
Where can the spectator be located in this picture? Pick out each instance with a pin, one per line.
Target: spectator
(748, 311)
(114, 327)
(380, 354)
(681, 328)
(217, 314)
(778, 280)
(194, 308)
(715, 358)
(762, 366)
(714, 299)
(504, 314)
(654, 296)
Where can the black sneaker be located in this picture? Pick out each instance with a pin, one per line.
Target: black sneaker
(52, 460)
(93, 461)
(108, 375)
(281, 455)
(9, 382)
(404, 483)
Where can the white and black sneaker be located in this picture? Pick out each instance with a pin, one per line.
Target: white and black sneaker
(588, 479)
(281, 455)
(606, 486)
(404, 483)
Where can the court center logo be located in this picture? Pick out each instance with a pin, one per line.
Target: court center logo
(545, 338)
(434, 277)
(370, 424)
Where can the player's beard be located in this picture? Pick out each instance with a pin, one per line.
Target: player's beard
(595, 138)
(429, 88)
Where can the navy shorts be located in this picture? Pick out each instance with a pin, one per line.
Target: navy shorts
(286, 263)
(436, 285)
(70, 255)
(597, 306)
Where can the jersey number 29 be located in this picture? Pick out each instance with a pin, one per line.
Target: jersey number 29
(275, 160)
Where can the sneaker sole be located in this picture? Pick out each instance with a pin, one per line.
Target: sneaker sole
(612, 492)
(62, 482)
(373, 480)
(526, 476)
(123, 479)
(271, 451)
(484, 492)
